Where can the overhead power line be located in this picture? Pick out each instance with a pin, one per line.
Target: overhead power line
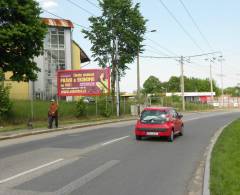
(161, 57)
(162, 47)
(80, 7)
(196, 25)
(181, 26)
(90, 2)
(204, 54)
(158, 51)
(64, 18)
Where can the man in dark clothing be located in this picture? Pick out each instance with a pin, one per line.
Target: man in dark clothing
(53, 114)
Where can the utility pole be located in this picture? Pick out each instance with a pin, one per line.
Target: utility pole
(221, 75)
(211, 60)
(211, 82)
(138, 84)
(182, 72)
(138, 76)
(182, 84)
(117, 80)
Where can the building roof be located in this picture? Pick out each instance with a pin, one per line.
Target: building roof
(83, 55)
(58, 22)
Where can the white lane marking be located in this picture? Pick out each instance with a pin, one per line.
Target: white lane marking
(86, 178)
(114, 140)
(30, 171)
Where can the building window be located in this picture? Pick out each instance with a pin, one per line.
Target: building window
(54, 58)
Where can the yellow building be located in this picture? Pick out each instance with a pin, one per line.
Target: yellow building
(78, 56)
(18, 90)
(60, 53)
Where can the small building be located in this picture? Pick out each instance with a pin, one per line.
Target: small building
(61, 52)
(202, 97)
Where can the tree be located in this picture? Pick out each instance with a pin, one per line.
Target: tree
(191, 85)
(152, 85)
(121, 22)
(232, 91)
(21, 38)
(174, 84)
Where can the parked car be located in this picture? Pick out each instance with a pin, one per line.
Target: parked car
(159, 122)
(88, 100)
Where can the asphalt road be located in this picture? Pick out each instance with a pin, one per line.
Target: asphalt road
(106, 160)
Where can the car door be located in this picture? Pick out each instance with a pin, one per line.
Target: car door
(174, 119)
(178, 121)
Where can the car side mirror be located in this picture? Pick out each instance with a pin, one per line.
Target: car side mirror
(180, 116)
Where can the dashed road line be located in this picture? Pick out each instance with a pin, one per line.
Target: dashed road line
(114, 140)
(30, 171)
(86, 178)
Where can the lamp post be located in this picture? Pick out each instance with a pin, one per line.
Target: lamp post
(138, 76)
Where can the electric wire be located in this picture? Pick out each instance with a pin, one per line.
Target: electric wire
(196, 25)
(180, 25)
(162, 47)
(90, 2)
(80, 7)
(63, 18)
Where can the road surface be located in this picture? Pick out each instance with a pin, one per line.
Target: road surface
(106, 160)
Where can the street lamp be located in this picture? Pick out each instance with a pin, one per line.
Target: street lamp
(138, 75)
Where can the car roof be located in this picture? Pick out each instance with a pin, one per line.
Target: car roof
(164, 109)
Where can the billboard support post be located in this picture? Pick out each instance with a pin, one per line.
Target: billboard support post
(96, 104)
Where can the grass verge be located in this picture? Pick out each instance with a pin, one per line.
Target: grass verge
(225, 162)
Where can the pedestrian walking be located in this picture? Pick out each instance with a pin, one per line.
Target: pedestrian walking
(53, 114)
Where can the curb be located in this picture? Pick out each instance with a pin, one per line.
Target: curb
(206, 176)
(18, 135)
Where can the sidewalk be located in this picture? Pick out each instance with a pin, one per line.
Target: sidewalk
(28, 132)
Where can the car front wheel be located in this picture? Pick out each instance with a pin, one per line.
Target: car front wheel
(171, 137)
(181, 132)
(138, 137)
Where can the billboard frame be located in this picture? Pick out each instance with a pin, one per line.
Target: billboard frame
(107, 69)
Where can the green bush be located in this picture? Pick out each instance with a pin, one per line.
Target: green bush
(104, 106)
(81, 108)
(5, 103)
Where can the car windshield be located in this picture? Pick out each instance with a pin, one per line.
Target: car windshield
(153, 116)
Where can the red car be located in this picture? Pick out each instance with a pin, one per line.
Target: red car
(159, 122)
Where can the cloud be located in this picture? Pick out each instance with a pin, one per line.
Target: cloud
(48, 4)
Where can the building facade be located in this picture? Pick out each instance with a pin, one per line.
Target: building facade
(60, 53)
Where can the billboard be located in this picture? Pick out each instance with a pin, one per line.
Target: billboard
(84, 82)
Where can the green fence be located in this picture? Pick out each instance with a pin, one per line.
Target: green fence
(26, 110)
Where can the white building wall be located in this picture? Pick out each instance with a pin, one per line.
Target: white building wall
(39, 84)
(68, 48)
(68, 53)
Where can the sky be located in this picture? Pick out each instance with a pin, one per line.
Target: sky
(217, 20)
